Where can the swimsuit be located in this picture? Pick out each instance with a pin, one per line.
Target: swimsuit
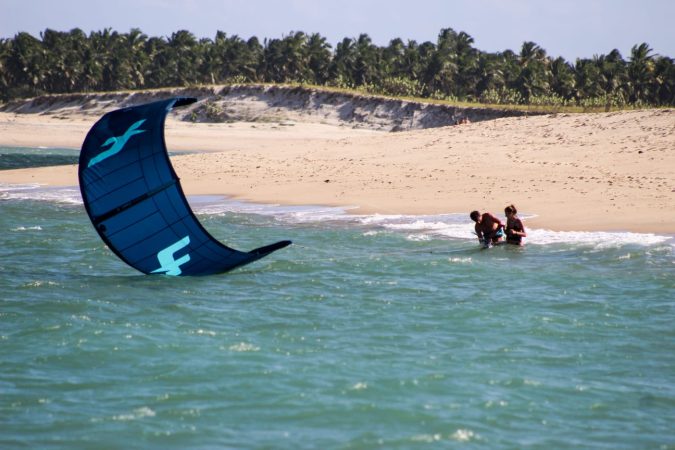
(516, 225)
(493, 238)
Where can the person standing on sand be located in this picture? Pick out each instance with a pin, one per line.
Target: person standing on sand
(489, 229)
(515, 230)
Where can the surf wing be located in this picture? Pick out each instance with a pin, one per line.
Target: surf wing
(135, 201)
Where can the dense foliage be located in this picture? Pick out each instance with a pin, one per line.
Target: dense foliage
(451, 68)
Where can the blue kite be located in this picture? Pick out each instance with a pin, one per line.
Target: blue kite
(134, 199)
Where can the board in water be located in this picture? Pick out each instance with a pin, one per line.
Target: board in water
(135, 201)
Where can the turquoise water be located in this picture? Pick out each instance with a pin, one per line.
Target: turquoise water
(369, 332)
(18, 157)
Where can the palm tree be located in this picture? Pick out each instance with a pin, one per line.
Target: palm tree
(343, 63)
(411, 64)
(274, 69)
(6, 81)
(56, 72)
(640, 72)
(233, 57)
(393, 58)
(490, 73)
(562, 80)
(156, 73)
(510, 66)
(534, 75)
(252, 58)
(611, 75)
(319, 57)
(663, 86)
(108, 60)
(183, 58)
(96, 58)
(367, 65)
(296, 58)
(588, 79)
(467, 77)
(613, 69)
(439, 76)
(26, 64)
(137, 60)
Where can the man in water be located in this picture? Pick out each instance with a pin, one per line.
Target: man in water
(489, 229)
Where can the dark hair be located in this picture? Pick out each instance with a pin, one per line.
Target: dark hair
(474, 215)
(511, 209)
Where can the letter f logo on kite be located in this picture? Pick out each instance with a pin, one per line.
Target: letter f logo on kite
(169, 265)
(117, 143)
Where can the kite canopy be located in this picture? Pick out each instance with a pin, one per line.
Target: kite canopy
(135, 201)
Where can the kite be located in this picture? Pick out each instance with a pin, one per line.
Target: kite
(135, 201)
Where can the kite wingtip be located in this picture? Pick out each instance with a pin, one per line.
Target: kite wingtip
(266, 250)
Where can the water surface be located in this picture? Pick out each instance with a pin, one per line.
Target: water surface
(368, 332)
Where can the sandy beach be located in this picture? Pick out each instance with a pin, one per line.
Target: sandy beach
(578, 172)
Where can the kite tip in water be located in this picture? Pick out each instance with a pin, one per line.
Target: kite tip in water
(266, 250)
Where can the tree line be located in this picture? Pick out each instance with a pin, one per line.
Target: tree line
(449, 69)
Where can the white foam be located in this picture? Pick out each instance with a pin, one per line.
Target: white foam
(138, 413)
(419, 237)
(67, 195)
(33, 228)
(415, 227)
(601, 239)
(447, 226)
(459, 226)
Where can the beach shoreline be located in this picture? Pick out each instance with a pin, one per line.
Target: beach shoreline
(575, 172)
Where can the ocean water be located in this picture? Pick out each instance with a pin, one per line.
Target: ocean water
(388, 332)
(19, 157)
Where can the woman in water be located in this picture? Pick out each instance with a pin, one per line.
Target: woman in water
(515, 230)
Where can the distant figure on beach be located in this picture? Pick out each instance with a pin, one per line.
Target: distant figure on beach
(489, 229)
(515, 230)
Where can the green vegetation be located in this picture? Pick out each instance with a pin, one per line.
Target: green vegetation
(449, 70)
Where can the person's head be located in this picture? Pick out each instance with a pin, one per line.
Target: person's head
(475, 216)
(510, 211)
